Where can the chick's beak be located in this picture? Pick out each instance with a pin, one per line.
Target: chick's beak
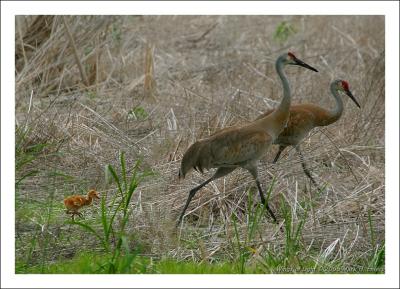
(349, 94)
(303, 64)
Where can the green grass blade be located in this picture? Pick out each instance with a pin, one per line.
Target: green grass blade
(116, 179)
(106, 228)
(269, 192)
(114, 215)
(31, 173)
(300, 226)
(89, 229)
(123, 169)
(236, 233)
(371, 229)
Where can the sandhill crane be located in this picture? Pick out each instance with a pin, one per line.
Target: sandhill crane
(236, 146)
(304, 117)
(76, 202)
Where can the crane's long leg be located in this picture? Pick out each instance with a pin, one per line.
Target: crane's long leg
(254, 173)
(223, 171)
(305, 169)
(281, 149)
(73, 213)
(264, 201)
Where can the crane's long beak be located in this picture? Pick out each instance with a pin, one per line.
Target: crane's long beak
(348, 92)
(303, 64)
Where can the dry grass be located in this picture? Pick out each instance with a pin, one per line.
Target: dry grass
(152, 85)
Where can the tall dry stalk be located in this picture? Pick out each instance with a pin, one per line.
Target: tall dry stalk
(149, 81)
(77, 59)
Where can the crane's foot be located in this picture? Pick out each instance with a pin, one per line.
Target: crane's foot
(275, 221)
(271, 215)
(73, 214)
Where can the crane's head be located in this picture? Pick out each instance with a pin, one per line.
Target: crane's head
(343, 85)
(94, 194)
(291, 59)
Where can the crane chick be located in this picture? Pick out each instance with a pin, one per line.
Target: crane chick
(76, 202)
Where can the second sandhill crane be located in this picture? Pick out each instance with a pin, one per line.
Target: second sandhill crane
(304, 117)
(76, 202)
(243, 146)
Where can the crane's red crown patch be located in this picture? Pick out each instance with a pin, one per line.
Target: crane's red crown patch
(345, 85)
(291, 55)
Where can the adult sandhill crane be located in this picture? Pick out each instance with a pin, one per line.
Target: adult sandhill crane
(304, 117)
(236, 146)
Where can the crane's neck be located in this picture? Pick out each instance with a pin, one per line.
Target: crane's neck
(276, 121)
(88, 200)
(283, 107)
(336, 112)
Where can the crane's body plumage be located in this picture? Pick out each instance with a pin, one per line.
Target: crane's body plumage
(302, 119)
(241, 146)
(232, 147)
